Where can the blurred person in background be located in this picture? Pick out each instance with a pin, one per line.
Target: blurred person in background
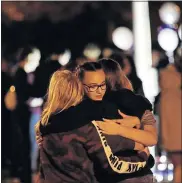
(41, 76)
(39, 83)
(43, 73)
(107, 52)
(6, 82)
(81, 60)
(159, 58)
(170, 80)
(159, 61)
(130, 71)
(21, 167)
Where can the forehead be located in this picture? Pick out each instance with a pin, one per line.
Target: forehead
(94, 77)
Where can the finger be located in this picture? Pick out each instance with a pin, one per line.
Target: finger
(39, 140)
(98, 121)
(122, 114)
(116, 121)
(103, 122)
(38, 137)
(109, 120)
(113, 120)
(40, 145)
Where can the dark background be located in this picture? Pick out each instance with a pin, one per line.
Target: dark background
(58, 25)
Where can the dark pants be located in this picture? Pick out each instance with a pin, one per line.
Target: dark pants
(6, 142)
(21, 164)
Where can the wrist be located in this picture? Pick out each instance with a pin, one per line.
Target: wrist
(119, 129)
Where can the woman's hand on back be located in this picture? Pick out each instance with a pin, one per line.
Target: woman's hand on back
(127, 121)
(110, 128)
(39, 139)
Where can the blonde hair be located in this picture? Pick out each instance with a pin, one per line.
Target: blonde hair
(65, 90)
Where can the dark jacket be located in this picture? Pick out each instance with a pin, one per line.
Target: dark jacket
(73, 145)
(129, 102)
(23, 88)
(134, 105)
(42, 75)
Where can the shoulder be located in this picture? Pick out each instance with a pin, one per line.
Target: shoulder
(65, 121)
(127, 96)
(129, 103)
(144, 101)
(123, 93)
(121, 96)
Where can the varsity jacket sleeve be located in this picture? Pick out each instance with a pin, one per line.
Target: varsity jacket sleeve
(102, 149)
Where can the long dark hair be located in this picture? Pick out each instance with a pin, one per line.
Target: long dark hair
(115, 77)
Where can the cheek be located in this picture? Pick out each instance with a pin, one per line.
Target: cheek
(91, 95)
(88, 93)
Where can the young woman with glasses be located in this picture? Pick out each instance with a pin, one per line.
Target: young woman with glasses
(96, 145)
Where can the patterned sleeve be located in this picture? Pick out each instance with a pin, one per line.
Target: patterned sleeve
(64, 159)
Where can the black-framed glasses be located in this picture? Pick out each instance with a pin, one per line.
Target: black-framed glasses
(93, 88)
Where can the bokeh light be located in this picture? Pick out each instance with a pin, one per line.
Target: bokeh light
(123, 38)
(169, 13)
(168, 39)
(33, 60)
(92, 51)
(64, 58)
